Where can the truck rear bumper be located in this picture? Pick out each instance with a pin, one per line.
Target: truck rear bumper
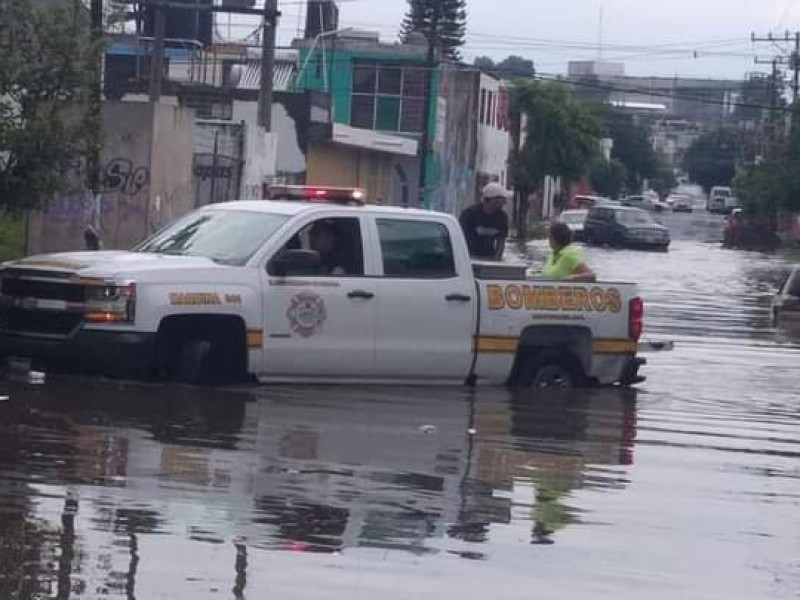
(118, 353)
(630, 375)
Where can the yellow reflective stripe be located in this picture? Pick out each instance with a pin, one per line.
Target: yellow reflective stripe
(255, 339)
(509, 345)
(496, 345)
(612, 346)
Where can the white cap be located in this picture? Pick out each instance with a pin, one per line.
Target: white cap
(495, 190)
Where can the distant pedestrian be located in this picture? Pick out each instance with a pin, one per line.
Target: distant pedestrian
(485, 224)
(565, 261)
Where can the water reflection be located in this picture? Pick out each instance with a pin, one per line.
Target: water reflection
(91, 471)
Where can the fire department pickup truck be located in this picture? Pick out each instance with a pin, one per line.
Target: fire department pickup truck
(315, 291)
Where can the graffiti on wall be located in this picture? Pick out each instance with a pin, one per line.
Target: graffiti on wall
(121, 177)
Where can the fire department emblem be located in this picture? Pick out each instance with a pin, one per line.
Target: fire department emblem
(306, 314)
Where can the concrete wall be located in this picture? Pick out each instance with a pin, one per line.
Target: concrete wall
(454, 177)
(388, 178)
(260, 151)
(145, 181)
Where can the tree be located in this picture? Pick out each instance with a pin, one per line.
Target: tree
(632, 146)
(608, 177)
(711, 160)
(442, 22)
(663, 180)
(47, 72)
(513, 67)
(561, 137)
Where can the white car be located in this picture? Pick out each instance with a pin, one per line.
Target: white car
(247, 288)
(574, 219)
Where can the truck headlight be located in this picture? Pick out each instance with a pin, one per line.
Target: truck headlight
(110, 303)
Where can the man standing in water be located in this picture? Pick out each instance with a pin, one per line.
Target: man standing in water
(485, 224)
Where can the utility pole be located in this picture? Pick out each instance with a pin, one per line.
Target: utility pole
(157, 55)
(425, 139)
(267, 63)
(95, 102)
(793, 60)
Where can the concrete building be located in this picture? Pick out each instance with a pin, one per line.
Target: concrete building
(377, 107)
(494, 141)
(146, 181)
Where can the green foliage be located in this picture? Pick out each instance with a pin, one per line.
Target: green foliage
(561, 135)
(47, 70)
(608, 177)
(773, 187)
(12, 237)
(711, 160)
(664, 181)
(442, 21)
(513, 67)
(632, 146)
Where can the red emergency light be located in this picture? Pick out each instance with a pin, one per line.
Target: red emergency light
(317, 194)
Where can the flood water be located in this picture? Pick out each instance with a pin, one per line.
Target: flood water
(687, 487)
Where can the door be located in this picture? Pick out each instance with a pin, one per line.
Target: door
(322, 323)
(426, 312)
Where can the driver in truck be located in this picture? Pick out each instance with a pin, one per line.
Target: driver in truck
(323, 241)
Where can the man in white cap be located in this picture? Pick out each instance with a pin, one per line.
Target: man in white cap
(485, 224)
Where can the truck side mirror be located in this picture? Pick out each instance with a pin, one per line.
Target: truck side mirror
(295, 262)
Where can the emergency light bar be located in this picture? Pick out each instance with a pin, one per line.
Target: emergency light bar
(318, 194)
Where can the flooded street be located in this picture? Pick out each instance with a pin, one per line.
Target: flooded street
(687, 487)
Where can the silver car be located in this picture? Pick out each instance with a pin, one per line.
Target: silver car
(574, 219)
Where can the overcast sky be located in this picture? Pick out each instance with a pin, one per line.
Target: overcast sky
(657, 37)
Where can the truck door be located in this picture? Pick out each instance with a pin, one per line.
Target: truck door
(426, 308)
(322, 323)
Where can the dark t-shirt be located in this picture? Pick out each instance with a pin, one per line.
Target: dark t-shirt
(484, 231)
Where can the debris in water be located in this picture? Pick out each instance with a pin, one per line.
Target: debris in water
(428, 429)
(5, 398)
(472, 431)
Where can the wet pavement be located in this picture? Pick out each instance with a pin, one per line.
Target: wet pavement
(688, 487)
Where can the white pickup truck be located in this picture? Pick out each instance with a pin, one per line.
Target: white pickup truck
(309, 291)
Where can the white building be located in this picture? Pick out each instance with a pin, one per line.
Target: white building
(493, 140)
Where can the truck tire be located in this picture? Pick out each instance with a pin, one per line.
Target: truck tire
(551, 370)
(192, 362)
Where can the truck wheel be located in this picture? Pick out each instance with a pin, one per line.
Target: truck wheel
(550, 370)
(192, 362)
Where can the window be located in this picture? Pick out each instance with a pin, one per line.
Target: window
(483, 107)
(416, 249)
(338, 243)
(388, 97)
(228, 237)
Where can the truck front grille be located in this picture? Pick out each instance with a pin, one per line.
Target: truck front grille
(42, 289)
(41, 322)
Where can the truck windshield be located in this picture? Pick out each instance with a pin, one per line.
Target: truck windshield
(226, 236)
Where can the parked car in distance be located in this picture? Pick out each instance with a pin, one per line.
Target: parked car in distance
(575, 220)
(681, 203)
(649, 202)
(625, 227)
(587, 202)
(786, 304)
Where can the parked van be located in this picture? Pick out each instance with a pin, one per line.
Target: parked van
(721, 200)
